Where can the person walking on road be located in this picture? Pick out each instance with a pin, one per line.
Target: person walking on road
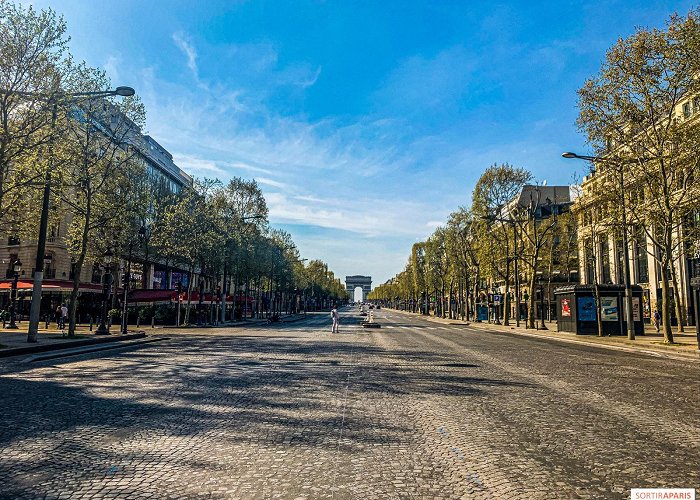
(336, 319)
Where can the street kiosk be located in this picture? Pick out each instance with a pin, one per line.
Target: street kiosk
(577, 311)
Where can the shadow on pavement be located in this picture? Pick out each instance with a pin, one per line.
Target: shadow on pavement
(80, 415)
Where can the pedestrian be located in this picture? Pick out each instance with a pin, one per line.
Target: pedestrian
(657, 320)
(59, 316)
(336, 319)
(64, 315)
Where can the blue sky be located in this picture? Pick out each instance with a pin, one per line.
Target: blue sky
(365, 123)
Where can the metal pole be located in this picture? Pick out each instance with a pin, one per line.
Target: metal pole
(127, 280)
(629, 317)
(517, 276)
(542, 325)
(179, 301)
(102, 329)
(35, 310)
(13, 304)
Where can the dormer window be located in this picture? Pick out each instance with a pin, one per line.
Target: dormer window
(687, 111)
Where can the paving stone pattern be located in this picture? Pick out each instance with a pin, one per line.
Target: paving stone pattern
(411, 410)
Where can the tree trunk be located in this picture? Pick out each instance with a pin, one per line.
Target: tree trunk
(73, 307)
(531, 303)
(77, 270)
(665, 306)
(189, 294)
(598, 317)
(680, 307)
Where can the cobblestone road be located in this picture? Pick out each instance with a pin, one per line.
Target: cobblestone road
(412, 410)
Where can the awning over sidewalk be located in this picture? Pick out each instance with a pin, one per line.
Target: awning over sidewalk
(26, 285)
(152, 295)
(50, 286)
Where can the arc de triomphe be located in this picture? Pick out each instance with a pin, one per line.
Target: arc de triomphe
(352, 282)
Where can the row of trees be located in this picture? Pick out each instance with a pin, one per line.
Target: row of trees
(481, 246)
(641, 116)
(89, 150)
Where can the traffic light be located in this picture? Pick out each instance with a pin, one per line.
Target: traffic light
(125, 280)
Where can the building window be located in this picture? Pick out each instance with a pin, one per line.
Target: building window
(605, 259)
(590, 262)
(620, 251)
(96, 273)
(642, 260)
(687, 111)
(12, 240)
(10, 272)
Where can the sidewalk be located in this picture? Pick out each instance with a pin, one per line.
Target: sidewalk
(685, 344)
(14, 342)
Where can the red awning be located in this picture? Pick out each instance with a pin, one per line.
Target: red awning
(152, 295)
(26, 285)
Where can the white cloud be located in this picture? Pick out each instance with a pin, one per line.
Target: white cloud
(111, 67)
(269, 182)
(188, 49)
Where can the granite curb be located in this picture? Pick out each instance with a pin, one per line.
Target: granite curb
(68, 344)
(669, 351)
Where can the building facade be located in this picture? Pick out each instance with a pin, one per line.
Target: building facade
(603, 215)
(58, 265)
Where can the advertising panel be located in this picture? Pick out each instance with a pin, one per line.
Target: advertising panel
(586, 308)
(636, 310)
(565, 308)
(608, 309)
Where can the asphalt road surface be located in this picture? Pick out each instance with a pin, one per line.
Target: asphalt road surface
(415, 409)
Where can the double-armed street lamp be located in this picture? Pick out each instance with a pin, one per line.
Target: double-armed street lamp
(52, 99)
(629, 318)
(16, 268)
(107, 258)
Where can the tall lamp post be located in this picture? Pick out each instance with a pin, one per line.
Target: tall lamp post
(16, 268)
(106, 288)
(629, 318)
(53, 99)
(540, 285)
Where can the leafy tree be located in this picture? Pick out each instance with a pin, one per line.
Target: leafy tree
(493, 195)
(633, 115)
(95, 163)
(33, 46)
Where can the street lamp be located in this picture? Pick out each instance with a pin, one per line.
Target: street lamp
(540, 285)
(52, 100)
(107, 283)
(626, 260)
(16, 268)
